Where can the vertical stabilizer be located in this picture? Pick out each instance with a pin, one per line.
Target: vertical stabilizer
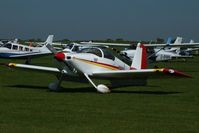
(191, 41)
(178, 40)
(169, 41)
(49, 40)
(16, 40)
(140, 58)
(176, 49)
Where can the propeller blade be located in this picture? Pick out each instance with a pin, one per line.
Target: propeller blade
(51, 48)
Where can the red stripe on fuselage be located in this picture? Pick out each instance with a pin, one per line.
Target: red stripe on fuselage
(132, 68)
(101, 63)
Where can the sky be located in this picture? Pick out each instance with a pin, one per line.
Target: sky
(99, 19)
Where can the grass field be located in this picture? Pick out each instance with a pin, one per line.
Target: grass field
(163, 106)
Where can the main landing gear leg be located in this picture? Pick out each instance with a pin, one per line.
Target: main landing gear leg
(100, 88)
(28, 61)
(56, 86)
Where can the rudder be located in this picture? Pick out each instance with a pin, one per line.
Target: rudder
(140, 58)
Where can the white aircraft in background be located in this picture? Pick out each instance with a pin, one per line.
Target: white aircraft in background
(1, 43)
(72, 47)
(188, 51)
(94, 62)
(15, 50)
(159, 52)
(165, 54)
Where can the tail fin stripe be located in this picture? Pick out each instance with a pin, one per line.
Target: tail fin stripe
(140, 58)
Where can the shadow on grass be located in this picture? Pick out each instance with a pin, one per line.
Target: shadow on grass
(149, 92)
(28, 86)
(93, 90)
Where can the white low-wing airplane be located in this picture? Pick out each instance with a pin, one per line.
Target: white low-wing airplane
(94, 62)
(15, 50)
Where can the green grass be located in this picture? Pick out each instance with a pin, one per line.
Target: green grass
(165, 105)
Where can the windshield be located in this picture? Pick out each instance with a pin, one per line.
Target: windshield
(8, 45)
(94, 51)
(99, 52)
(108, 54)
(69, 46)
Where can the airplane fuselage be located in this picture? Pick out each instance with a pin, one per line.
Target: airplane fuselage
(13, 50)
(90, 62)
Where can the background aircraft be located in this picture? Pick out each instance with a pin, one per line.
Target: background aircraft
(156, 52)
(19, 51)
(168, 53)
(1, 43)
(94, 62)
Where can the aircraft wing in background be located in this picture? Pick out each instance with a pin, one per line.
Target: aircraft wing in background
(146, 45)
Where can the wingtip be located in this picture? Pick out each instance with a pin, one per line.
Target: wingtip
(177, 73)
(7, 64)
(10, 64)
(182, 74)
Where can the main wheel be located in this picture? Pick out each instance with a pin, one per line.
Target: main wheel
(53, 87)
(103, 89)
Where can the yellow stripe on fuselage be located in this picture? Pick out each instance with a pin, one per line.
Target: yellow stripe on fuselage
(158, 70)
(96, 64)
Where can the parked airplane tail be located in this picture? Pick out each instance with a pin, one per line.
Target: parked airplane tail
(140, 58)
(16, 40)
(169, 41)
(177, 49)
(191, 41)
(49, 40)
(178, 40)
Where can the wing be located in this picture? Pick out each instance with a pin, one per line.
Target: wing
(33, 67)
(29, 55)
(142, 73)
(182, 45)
(182, 56)
(186, 45)
(106, 44)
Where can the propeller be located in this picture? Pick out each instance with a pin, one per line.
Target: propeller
(51, 48)
(58, 57)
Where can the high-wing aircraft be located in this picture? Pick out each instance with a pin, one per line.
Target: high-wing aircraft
(95, 62)
(15, 50)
